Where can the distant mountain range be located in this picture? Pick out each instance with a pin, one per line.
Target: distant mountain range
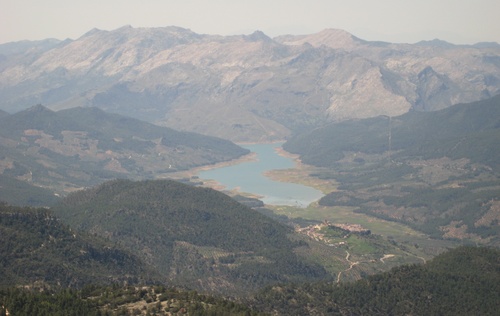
(248, 87)
(70, 149)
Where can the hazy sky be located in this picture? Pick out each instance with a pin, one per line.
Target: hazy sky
(456, 21)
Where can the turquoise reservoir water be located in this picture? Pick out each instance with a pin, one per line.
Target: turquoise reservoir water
(249, 177)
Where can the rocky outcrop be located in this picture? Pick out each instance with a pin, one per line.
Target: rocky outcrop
(245, 87)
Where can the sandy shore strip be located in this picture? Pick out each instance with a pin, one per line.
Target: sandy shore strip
(194, 171)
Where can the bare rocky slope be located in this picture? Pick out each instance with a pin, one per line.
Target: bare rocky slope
(245, 87)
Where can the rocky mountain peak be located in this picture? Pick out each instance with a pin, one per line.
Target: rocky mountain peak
(38, 108)
(265, 87)
(92, 32)
(333, 38)
(258, 36)
(435, 43)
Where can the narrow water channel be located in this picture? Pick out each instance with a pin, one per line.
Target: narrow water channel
(249, 177)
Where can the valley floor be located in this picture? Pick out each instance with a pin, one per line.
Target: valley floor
(389, 244)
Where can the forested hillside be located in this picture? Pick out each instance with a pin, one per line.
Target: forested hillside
(22, 193)
(196, 237)
(81, 147)
(468, 131)
(436, 172)
(117, 300)
(463, 281)
(36, 249)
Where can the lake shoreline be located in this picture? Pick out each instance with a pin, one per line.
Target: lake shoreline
(248, 176)
(193, 172)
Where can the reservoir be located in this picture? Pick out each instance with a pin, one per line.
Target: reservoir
(249, 177)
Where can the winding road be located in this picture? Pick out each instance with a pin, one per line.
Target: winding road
(351, 264)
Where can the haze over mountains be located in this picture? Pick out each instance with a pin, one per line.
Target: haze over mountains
(248, 87)
(79, 147)
(402, 183)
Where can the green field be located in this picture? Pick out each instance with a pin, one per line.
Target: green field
(396, 242)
